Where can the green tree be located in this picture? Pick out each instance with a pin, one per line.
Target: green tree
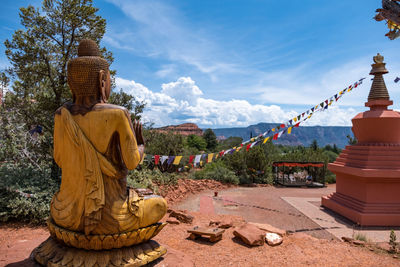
(230, 142)
(129, 102)
(158, 143)
(314, 145)
(352, 140)
(197, 142)
(38, 55)
(211, 139)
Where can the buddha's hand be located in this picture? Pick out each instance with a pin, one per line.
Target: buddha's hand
(138, 129)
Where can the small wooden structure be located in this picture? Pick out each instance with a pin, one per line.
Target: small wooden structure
(292, 173)
(213, 234)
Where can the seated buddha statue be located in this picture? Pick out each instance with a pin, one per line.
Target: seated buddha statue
(95, 144)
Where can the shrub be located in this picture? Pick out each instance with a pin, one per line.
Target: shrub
(25, 193)
(217, 171)
(392, 242)
(361, 237)
(146, 178)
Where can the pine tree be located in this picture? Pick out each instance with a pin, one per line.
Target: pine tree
(38, 55)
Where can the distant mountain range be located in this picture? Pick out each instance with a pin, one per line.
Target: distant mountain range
(302, 135)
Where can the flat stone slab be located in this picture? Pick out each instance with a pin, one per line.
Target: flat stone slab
(335, 223)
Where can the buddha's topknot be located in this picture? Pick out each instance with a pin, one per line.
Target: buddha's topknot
(88, 48)
(83, 71)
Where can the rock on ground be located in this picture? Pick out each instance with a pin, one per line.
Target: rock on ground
(181, 216)
(269, 228)
(250, 235)
(273, 239)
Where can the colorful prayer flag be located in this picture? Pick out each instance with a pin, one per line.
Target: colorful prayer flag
(210, 157)
(197, 159)
(170, 160)
(289, 131)
(163, 159)
(191, 158)
(248, 147)
(266, 140)
(177, 160)
(156, 159)
(275, 137)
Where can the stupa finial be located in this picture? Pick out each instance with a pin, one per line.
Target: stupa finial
(378, 89)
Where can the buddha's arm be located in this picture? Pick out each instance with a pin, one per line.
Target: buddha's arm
(129, 149)
(57, 139)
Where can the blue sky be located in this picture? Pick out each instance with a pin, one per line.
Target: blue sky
(235, 63)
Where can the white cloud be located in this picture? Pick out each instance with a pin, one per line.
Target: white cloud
(184, 89)
(181, 101)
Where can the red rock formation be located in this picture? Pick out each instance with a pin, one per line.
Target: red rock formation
(183, 129)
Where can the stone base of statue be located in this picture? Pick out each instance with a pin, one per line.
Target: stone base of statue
(55, 254)
(68, 248)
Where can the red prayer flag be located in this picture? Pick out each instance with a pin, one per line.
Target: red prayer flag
(156, 159)
(297, 125)
(326, 101)
(191, 158)
(275, 137)
(248, 147)
(283, 125)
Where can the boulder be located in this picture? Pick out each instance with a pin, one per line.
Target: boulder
(181, 216)
(172, 220)
(224, 224)
(269, 228)
(273, 239)
(250, 235)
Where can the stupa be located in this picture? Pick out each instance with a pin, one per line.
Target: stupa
(368, 173)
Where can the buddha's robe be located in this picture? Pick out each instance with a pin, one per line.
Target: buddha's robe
(95, 151)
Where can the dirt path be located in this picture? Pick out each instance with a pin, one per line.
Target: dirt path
(261, 205)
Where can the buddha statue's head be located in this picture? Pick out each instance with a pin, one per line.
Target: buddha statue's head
(88, 75)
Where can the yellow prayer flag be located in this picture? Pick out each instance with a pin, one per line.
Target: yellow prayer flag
(273, 130)
(141, 161)
(252, 139)
(237, 149)
(289, 130)
(216, 156)
(210, 157)
(295, 119)
(177, 160)
(309, 116)
(341, 92)
(330, 103)
(266, 139)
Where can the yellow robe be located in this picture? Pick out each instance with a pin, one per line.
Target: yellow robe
(95, 151)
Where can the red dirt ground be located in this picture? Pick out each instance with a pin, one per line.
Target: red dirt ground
(18, 240)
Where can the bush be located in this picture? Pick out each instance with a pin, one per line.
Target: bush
(146, 178)
(330, 177)
(25, 193)
(217, 171)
